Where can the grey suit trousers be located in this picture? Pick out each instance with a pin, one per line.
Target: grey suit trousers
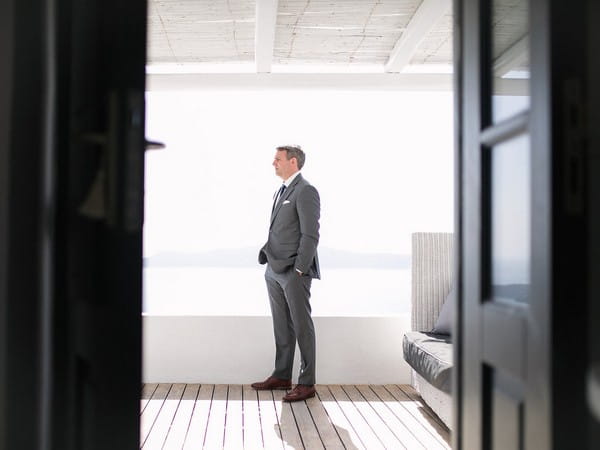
(289, 295)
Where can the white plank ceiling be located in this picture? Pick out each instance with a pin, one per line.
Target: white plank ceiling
(276, 37)
(341, 33)
(200, 31)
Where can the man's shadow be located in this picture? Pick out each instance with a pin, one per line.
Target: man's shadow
(288, 430)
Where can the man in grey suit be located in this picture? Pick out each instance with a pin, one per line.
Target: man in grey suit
(292, 262)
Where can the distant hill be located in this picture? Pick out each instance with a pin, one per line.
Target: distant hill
(248, 257)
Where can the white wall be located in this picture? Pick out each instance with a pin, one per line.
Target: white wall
(240, 349)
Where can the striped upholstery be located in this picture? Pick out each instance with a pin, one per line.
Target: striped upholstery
(431, 277)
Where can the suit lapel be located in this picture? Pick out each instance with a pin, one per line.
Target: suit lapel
(288, 191)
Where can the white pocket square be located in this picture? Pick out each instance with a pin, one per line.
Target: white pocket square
(285, 202)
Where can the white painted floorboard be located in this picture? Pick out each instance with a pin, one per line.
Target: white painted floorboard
(191, 416)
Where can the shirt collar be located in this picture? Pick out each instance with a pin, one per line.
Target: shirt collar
(290, 179)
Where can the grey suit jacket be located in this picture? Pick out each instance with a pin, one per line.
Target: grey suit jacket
(294, 231)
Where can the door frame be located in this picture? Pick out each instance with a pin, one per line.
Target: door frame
(593, 200)
(21, 217)
(555, 416)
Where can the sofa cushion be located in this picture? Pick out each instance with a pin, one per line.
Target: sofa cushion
(431, 356)
(443, 324)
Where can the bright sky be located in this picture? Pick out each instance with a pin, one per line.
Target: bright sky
(382, 162)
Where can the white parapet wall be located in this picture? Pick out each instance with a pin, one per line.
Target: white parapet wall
(240, 349)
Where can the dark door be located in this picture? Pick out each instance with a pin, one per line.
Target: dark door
(523, 266)
(99, 65)
(71, 186)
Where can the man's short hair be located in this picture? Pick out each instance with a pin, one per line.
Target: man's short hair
(294, 151)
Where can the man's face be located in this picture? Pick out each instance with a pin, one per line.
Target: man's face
(284, 168)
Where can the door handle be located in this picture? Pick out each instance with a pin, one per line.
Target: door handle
(154, 145)
(115, 195)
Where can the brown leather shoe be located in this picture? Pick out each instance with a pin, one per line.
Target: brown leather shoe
(272, 383)
(299, 393)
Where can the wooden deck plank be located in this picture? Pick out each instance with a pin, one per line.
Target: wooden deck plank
(183, 417)
(397, 427)
(340, 422)
(147, 391)
(423, 435)
(269, 421)
(152, 410)
(162, 424)
(252, 429)
(421, 413)
(287, 424)
(234, 428)
(379, 427)
(427, 413)
(235, 416)
(327, 432)
(215, 430)
(412, 394)
(306, 426)
(367, 435)
(197, 430)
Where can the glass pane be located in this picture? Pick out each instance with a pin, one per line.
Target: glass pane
(510, 58)
(510, 221)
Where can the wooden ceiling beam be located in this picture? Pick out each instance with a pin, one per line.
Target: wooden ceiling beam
(331, 81)
(266, 23)
(425, 18)
(515, 56)
(274, 81)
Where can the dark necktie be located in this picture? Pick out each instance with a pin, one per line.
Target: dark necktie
(278, 196)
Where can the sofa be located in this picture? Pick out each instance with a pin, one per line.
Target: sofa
(427, 348)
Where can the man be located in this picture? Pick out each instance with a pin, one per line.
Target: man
(291, 257)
